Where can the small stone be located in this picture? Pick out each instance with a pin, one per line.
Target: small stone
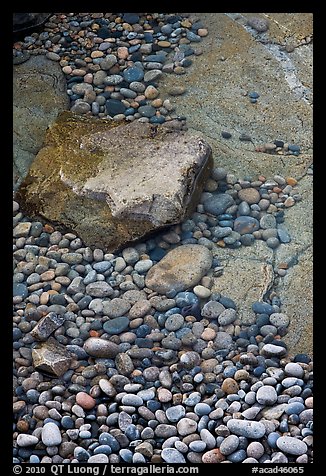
(85, 401)
(24, 440)
(249, 195)
(294, 370)
(271, 350)
(259, 24)
(186, 426)
(124, 364)
(266, 395)
(51, 435)
(218, 203)
(175, 413)
(202, 292)
(291, 445)
(279, 319)
(227, 317)
(226, 135)
(177, 90)
(99, 458)
(180, 269)
(255, 450)
(213, 456)
(116, 326)
(230, 386)
(171, 455)
(97, 347)
(245, 225)
(229, 445)
(22, 229)
(249, 429)
(212, 310)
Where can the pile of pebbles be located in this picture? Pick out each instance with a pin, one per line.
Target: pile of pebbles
(174, 378)
(235, 212)
(112, 61)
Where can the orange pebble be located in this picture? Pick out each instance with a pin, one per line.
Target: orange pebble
(221, 243)
(291, 181)
(48, 228)
(94, 333)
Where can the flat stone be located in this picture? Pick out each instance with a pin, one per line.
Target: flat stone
(217, 204)
(249, 195)
(291, 445)
(104, 192)
(97, 347)
(274, 413)
(51, 357)
(180, 269)
(100, 458)
(245, 224)
(116, 326)
(171, 455)
(249, 429)
(39, 94)
(24, 440)
(47, 325)
(229, 445)
(271, 350)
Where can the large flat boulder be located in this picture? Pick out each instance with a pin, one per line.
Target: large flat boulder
(39, 94)
(114, 183)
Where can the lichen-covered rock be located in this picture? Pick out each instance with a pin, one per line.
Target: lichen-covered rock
(114, 183)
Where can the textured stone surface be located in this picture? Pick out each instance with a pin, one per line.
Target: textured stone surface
(46, 326)
(180, 269)
(247, 276)
(216, 100)
(39, 94)
(51, 357)
(114, 183)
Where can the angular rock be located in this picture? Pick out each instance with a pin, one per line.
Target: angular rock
(24, 21)
(39, 94)
(180, 269)
(47, 325)
(51, 357)
(112, 183)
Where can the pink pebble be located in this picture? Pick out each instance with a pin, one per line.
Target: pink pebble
(85, 401)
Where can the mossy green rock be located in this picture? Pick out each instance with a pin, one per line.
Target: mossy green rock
(113, 183)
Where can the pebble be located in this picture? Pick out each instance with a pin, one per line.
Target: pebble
(171, 455)
(266, 395)
(292, 446)
(229, 445)
(24, 440)
(51, 435)
(249, 429)
(97, 347)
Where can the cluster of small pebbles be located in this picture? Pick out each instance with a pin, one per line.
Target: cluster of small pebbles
(108, 370)
(112, 61)
(235, 212)
(278, 146)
